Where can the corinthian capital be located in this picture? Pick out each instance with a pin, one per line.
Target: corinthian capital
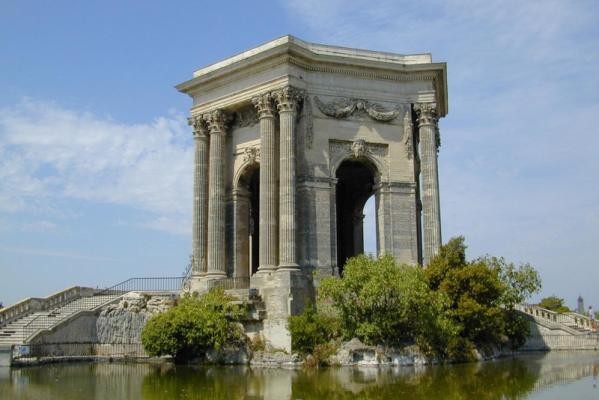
(263, 104)
(427, 113)
(216, 121)
(288, 98)
(199, 126)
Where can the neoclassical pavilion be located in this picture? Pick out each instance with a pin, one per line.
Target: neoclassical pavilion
(291, 139)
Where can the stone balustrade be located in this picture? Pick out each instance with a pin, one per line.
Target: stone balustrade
(33, 304)
(569, 319)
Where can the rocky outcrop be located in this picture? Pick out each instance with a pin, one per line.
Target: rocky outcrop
(123, 322)
(355, 352)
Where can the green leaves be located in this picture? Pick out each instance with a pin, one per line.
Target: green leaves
(554, 303)
(193, 326)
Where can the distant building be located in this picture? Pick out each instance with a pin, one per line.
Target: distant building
(580, 305)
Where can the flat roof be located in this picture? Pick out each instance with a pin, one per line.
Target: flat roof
(322, 49)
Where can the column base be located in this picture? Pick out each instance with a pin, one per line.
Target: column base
(214, 275)
(266, 269)
(288, 267)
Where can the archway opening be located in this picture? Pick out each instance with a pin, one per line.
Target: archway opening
(355, 185)
(254, 188)
(247, 221)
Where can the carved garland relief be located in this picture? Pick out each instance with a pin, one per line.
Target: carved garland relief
(345, 107)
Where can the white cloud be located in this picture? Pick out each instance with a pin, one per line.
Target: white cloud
(49, 154)
(518, 160)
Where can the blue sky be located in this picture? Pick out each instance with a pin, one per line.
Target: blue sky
(95, 152)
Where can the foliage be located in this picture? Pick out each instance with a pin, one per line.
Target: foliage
(193, 326)
(483, 293)
(554, 303)
(311, 329)
(448, 308)
(381, 302)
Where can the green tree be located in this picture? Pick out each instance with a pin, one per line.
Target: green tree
(482, 294)
(194, 326)
(554, 303)
(381, 302)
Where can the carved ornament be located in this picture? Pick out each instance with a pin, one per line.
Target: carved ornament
(427, 115)
(408, 133)
(308, 123)
(199, 127)
(245, 117)
(288, 99)
(426, 112)
(217, 121)
(344, 107)
(251, 155)
(264, 105)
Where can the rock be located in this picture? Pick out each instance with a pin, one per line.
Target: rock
(233, 355)
(275, 359)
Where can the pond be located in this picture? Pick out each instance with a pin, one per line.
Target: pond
(555, 375)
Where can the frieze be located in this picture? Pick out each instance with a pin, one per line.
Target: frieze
(345, 107)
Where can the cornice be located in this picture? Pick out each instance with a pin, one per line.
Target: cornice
(292, 54)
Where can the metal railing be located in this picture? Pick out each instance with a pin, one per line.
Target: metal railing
(100, 298)
(242, 282)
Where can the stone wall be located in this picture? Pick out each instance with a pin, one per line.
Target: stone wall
(119, 323)
(544, 336)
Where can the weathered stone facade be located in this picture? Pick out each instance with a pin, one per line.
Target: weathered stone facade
(291, 139)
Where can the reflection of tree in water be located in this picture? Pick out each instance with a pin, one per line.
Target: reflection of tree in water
(188, 382)
(509, 379)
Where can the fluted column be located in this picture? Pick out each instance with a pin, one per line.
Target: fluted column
(268, 208)
(287, 103)
(431, 213)
(216, 122)
(200, 196)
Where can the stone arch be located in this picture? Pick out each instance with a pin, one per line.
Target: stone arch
(357, 179)
(246, 197)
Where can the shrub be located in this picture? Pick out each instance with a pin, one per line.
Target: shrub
(193, 326)
(311, 329)
(381, 302)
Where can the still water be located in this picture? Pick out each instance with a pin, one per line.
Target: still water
(557, 375)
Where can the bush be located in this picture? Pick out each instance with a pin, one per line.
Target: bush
(381, 302)
(311, 329)
(193, 326)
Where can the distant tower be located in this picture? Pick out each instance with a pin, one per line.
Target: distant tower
(580, 308)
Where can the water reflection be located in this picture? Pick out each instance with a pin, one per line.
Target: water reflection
(531, 376)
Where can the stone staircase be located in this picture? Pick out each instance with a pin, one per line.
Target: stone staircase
(19, 330)
(570, 322)
(251, 297)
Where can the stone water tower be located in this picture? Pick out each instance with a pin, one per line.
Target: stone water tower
(291, 139)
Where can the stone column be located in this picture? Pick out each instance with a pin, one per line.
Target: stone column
(200, 196)
(431, 214)
(216, 121)
(287, 103)
(268, 208)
